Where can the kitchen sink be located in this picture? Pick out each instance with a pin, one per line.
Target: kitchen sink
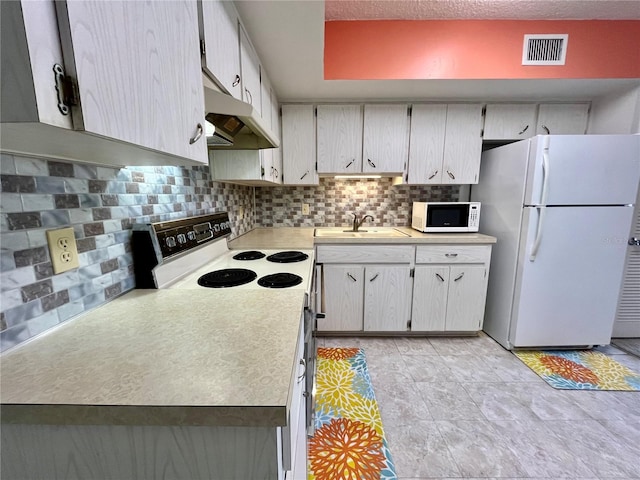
(380, 232)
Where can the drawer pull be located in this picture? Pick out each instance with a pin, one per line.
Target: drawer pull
(459, 277)
(352, 277)
(374, 277)
(451, 255)
(439, 277)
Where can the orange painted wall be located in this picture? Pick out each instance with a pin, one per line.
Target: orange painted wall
(475, 49)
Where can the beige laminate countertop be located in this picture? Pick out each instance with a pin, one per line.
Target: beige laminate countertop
(161, 357)
(303, 237)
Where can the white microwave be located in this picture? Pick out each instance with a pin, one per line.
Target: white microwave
(435, 217)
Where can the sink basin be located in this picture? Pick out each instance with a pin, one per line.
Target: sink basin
(380, 232)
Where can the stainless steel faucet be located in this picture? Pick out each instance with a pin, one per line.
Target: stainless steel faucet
(357, 223)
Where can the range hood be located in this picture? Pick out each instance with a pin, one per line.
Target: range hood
(238, 126)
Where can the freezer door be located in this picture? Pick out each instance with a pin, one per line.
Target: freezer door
(567, 295)
(584, 170)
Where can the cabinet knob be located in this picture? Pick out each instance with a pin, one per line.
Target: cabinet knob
(451, 255)
(196, 137)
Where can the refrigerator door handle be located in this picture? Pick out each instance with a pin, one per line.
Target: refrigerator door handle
(542, 209)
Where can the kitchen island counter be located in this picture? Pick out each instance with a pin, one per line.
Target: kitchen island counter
(161, 357)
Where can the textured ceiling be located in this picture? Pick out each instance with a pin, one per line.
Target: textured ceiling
(481, 9)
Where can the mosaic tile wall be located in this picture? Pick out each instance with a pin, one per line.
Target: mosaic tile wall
(101, 204)
(332, 202)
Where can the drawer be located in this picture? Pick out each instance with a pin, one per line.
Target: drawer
(453, 254)
(365, 254)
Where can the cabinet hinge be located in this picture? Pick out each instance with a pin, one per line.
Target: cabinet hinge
(203, 48)
(482, 132)
(262, 172)
(412, 272)
(316, 166)
(315, 112)
(409, 324)
(66, 88)
(484, 110)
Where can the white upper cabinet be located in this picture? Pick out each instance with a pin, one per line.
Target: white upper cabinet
(219, 32)
(385, 138)
(426, 144)
(299, 145)
(339, 130)
(462, 144)
(276, 153)
(509, 121)
(250, 67)
(137, 66)
(445, 144)
(562, 118)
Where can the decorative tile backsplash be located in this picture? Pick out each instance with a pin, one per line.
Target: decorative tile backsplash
(333, 201)
(101, 204)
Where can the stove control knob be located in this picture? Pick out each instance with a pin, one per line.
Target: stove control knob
(182, 239)
(171, 242)
(216, 228)
(191, 235)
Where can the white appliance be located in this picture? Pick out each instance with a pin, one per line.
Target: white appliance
(434, 217)
(561, 208)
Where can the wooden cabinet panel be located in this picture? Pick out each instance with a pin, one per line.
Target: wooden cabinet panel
(429, 305)
(466, 299)
(562, 118)
(339, 131)
(509, 121)
(250, 67)
(343, 298)
(385, 138)
(463, 144)
(219, 31)
(138, 70)
(387, 298)
(426, 144)
(298, 145)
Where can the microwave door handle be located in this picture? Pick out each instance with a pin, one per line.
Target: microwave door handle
(542, 209)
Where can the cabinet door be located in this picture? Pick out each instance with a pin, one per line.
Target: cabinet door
(429, 305)
(139, 73)
(387, 298)
(276, 152)
(250, 67)
(509, 122)
(298, 145)
(236, 165)
(463, 144)
(339, 130)
(426, 144)
(465, 303)
(219, 31)
(385, 138)
(342, 297)
(562, 119)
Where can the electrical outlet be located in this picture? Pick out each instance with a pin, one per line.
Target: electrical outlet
(305, 209)
(63, 249)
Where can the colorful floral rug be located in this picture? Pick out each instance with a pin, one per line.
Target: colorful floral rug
(580, 370)
(349, 442)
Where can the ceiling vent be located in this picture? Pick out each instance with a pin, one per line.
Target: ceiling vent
(545, 49)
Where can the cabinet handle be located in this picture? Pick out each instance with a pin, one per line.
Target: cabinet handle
(58, 75)
(199, 132)
(277, 174)
(433, 174)
(451, 175)
(305, 174)
(546, 130)
(371, 163)
(272, 169)
(349, 164)
(439, 277)
(451, 255)
(352, 277)
(250, 96)
(236, 81)
(304, 364)
(458, 277)
(523, 130)
(374, 277)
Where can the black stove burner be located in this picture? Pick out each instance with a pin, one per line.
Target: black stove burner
(229, 277)
(280, 280)
(249, 255)
(288, 257)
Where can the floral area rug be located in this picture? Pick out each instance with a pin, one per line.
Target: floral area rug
(349, 442)
(580, 370)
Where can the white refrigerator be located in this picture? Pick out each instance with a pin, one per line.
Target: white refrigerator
(561, 207)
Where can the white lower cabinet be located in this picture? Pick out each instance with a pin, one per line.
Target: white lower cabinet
(449, 289)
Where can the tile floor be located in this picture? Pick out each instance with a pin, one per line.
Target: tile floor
(467, 408)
